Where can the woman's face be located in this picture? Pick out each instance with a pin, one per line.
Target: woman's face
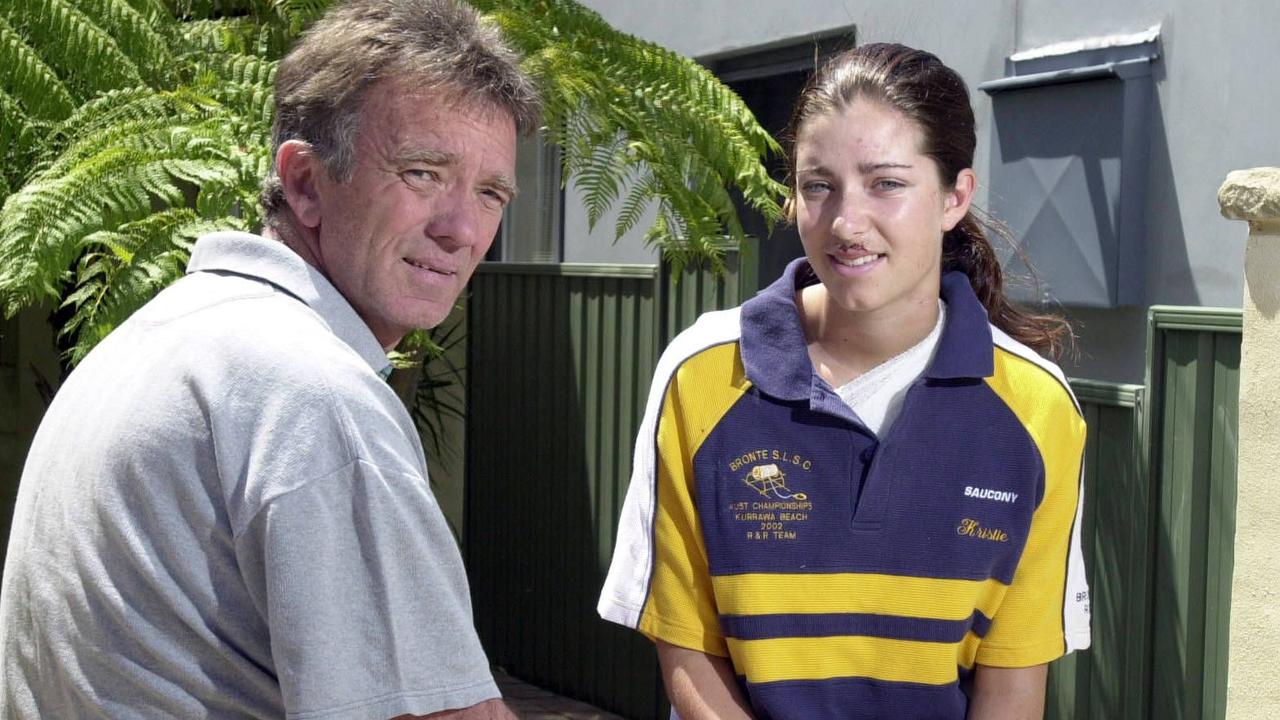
(871, 209)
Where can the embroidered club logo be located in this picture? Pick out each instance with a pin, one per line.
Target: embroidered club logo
(771, 482)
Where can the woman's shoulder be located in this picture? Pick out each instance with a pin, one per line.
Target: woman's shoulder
(1030, 373)
(711, 329)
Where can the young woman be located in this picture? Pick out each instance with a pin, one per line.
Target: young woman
(858, 495)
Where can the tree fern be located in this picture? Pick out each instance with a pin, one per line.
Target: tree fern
(121, 269)
(84, 55)
(695, 134)
(87, 191)
(637, 203)
(130, 125)
(28, 80)
(136, 35)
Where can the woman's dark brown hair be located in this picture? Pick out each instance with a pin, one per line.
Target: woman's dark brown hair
(917, 84)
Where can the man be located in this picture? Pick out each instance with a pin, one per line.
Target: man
(225, 513)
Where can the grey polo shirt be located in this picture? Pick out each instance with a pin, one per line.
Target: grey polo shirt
(225, 514)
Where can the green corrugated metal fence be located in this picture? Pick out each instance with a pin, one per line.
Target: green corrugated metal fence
(1109, 679)
(560, 359)
(559, 362)
(1194, 376)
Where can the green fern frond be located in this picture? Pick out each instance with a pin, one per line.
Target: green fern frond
(12, 124)
(188, 10)
(155, 11)
(120, 270)
(599, 179)
(239, 68)
(42, 225)
(136, 37)
(29, 80)
(256, 27)
(633, 208)
(128, 130)
(298, 14)
(245, 85)
(118, 114)
(84, 55)
(667, 108)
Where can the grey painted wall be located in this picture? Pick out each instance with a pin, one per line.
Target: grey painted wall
(1214, 111)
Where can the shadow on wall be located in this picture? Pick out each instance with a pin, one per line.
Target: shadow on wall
(1169, 279)
(1061, 199)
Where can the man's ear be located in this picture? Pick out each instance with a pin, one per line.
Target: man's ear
(300, 172)
(958, 198)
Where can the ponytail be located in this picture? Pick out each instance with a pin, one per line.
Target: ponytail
(967, 249)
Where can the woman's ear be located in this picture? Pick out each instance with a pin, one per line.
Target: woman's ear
(299, 171)
(958, 198)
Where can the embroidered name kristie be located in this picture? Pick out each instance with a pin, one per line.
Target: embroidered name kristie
(972, 528)
(990, 494)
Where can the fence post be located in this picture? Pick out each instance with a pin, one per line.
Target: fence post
(1252, 692)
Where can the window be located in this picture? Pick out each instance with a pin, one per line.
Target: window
(531, 229)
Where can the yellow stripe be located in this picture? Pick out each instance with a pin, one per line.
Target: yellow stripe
(852, 656)
(1031, 615)
(768, 594)
(681, 609)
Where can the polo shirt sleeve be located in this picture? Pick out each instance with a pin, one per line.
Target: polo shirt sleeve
(1045, 611)
(363, 588)
(659, 582)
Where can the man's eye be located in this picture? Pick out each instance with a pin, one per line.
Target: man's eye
(494, 199)
(420, 175)
(815, 186)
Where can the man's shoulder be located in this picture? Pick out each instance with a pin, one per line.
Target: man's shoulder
(209, 320)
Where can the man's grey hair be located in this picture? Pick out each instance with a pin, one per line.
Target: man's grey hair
(443, 45)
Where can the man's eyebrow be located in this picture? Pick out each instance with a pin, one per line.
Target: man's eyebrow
(442, 158)
(505, 185)
(429, 156)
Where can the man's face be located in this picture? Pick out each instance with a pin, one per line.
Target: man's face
(401, 238)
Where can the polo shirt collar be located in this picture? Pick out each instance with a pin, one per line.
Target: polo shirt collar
(265, 259)
(771, 332)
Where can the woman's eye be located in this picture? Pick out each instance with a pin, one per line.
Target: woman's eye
(815, 186)
(885, 184)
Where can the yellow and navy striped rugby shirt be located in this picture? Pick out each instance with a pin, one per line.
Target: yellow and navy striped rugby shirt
(848, 575)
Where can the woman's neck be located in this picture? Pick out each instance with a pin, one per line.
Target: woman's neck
(843, 345)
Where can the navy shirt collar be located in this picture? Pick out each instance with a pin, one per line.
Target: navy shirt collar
(773, 339)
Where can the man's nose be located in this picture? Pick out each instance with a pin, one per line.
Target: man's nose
(457, 221)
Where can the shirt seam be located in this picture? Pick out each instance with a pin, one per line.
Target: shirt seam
(324, 477)
(408, 694)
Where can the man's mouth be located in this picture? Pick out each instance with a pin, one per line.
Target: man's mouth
(430, 268)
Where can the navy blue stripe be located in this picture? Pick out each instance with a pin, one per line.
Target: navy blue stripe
(762, 627)
(856, 699)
